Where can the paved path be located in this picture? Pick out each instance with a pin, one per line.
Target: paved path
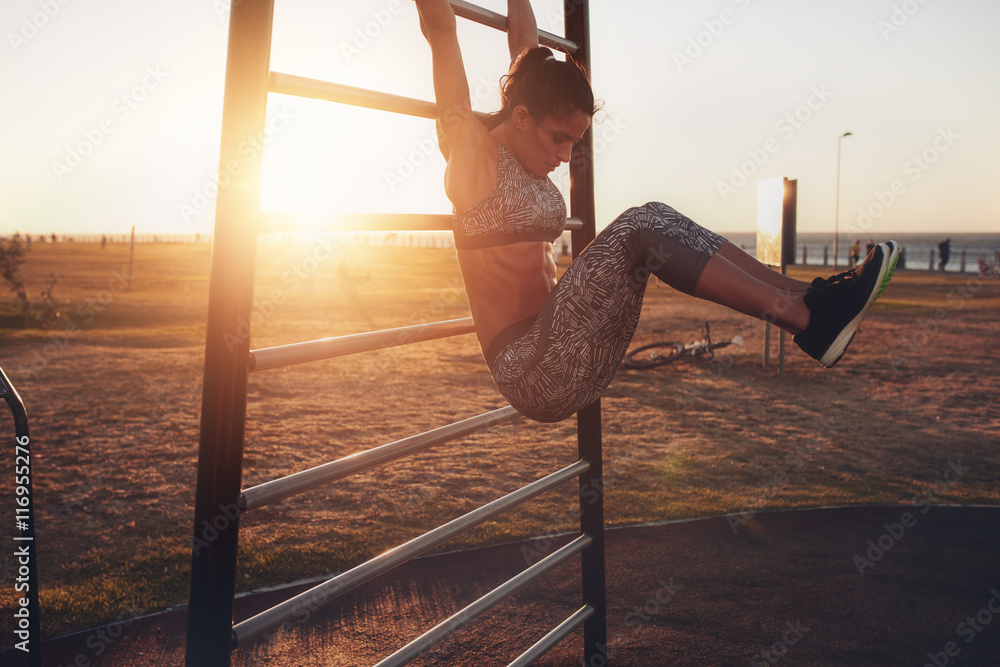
(783, 589)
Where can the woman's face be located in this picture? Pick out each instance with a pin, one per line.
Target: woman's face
(550, 141)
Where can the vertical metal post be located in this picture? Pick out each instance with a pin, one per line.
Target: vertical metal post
(595, 632)
(789, 224)
(767, 346)
(227, 346)
(131, 255)
(836, 214)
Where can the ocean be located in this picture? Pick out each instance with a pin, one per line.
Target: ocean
(920, 249)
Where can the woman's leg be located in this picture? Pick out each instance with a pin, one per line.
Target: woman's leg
(751, 266)
(571, 352)
(726, 283)
(823, 315)
(574, 348)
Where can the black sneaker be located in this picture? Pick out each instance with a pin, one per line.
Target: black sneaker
(838, 304)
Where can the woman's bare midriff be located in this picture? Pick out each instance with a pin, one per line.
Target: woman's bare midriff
(506, 285)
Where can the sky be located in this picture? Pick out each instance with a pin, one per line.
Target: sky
(112, 111)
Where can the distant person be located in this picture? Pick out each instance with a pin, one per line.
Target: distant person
(855, 252)
(104, 241)
(944, 252)
(987, 270)
(553, 346)
(869, 247)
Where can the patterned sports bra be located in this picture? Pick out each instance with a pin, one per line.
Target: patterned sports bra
(520, 208)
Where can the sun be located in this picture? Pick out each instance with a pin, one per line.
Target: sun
(332, 159)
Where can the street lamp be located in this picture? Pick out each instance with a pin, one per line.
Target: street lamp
(836, 213)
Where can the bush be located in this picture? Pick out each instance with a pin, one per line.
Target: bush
(11, 258)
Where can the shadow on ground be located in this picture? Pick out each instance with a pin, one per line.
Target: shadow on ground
(887, 585)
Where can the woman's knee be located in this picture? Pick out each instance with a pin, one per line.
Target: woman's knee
(651, 216)
(651, 210)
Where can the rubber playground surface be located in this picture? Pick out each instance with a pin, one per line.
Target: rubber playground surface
(879, 585)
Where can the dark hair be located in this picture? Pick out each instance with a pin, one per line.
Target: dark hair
(547, 87)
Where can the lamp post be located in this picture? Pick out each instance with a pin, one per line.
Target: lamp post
(836, 210)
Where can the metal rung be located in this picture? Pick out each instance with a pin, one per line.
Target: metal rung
(280, 222)
(317, 89)
(328, 348)
(269, 492)
(451, 625)
(554, 637)
(298, 605)
(469, 11)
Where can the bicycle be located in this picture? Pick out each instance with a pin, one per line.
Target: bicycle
(659, 354)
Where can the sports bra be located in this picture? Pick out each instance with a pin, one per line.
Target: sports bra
(521, 207)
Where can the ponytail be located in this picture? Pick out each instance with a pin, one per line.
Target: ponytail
(545, 86)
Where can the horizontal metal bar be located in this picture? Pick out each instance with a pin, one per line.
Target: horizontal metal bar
(469, 11)
(269, 492)
(272, 222)
(482, 605)
(338, 346)
(294, 607)
(276, 222)
(554, 637)
(317, 89)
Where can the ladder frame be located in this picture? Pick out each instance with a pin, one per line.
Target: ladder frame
(228, 355)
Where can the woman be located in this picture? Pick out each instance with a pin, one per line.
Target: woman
(552, 348)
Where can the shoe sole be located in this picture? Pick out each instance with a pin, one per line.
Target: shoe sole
(846, 335)
(893, 258)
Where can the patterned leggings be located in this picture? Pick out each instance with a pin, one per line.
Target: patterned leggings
(552, 366)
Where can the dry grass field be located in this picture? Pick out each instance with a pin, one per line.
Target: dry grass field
(113, 398)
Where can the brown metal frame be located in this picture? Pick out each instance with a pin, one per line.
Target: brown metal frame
(227, 365)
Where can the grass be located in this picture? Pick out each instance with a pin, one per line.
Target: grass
(114, 402)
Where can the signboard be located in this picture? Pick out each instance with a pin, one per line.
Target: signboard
(776, 202)
(770, 210)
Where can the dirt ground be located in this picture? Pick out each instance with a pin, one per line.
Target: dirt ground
(114, 407)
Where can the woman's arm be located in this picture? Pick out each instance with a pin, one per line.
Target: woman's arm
(522, 30)
(451, 86)
(466, 144)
